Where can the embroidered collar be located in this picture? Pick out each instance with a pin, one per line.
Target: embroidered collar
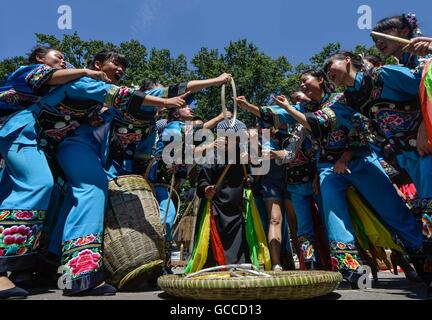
(409, 60)
(310, 106)
(325, 99)
(357, 82)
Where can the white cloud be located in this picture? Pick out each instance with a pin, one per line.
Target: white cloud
(147, 15)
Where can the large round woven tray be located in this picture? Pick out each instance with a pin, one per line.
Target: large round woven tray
(290, 285)
(134, 236)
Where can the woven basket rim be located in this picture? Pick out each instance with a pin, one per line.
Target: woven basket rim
(112, 182)
(310, 285)
(282, 279)
(137, 272)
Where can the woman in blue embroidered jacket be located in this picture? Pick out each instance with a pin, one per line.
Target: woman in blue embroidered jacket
(292, 180)
(344, 159)
(21, 130)
(22, 189)
(389, 97)
(81, 222)
(404, 26)
(29, 83)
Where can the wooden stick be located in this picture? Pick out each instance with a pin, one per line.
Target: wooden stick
(401, 41)
(149, 167)
(219, 182)
(195, 215)
(186, 213)
(245, 172)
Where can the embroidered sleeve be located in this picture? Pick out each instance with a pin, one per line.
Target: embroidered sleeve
(126, 100)
(322, 122)
(271, 117)
(171, 91)
(38, 78)
(175, 90)
(360, 132)
(16, 99)
(277, 117)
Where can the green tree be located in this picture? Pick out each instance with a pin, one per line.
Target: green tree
(7, 66)
(159, 65)
(256, 74)
(327, 51)
(76, 51)
(365, 51)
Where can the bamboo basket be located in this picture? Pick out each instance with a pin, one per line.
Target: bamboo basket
(134, 249)
(289, 285)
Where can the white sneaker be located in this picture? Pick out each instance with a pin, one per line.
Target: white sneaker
(277, 268)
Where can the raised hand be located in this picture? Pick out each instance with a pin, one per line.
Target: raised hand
(177, 102)
(341, 167)
(228, 113)
(242, 101)
(98, 75)
(278, 154)
(420, 46)
(281, 101)
(210, 192)
(224, 78)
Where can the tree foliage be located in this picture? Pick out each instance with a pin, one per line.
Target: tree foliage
(257, 75)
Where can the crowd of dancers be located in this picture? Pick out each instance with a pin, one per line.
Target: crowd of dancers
(350, 172)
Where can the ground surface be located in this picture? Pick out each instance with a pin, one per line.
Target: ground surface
(390, 287)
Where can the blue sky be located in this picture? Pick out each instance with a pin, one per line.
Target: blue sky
(295, 29)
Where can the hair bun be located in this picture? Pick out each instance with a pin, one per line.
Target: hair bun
(411, 18)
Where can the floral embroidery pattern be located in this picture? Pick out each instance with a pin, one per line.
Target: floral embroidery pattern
(393, 122)
(426, 213)
(14, 98)
(351, 262)
(82, 256)
(95, 239)
(299, 160)
(27, 215)
(344, 257)
(86, 261)
(335, 98)
(427, 226)
(307, 249)
(58, 134)
(85, 241)
(39, 76)
(129, 138)
(338, 139)
(337, 136)
(123, 99)
(56, 126)
(119, 97)
(426, 205)
(20, 231)
(323, 118)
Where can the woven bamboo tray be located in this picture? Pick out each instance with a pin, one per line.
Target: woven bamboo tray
(290, 285)
(134, 237)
